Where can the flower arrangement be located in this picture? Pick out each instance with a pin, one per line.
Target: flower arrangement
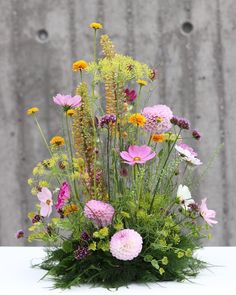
(113, 200)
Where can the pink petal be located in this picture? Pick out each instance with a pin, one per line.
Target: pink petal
(45, 210)
(44, 195)
(149, 157)
(126, 156)
(132, 150)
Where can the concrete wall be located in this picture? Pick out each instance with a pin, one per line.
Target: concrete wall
(191, 42)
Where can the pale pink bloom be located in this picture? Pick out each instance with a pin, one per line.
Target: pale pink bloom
(207, 214)
(126, 244)
(99, 212)
(137, 154)
(157, 118)
(45, 198)
(63, 195)
(188, 154)
(67, 100)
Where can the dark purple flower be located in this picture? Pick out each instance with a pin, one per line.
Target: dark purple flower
(124, 172)
(130, 95)
(20, 234)
(36, 218)
(107, 119)
(183, 123)
(85, 237)
(81, 253)
(174, 120)
(196, 134)
(194, 207)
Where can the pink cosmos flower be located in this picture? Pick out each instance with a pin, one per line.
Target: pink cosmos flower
(157, 118)
(99, 212)
(130, 95)
(126, 244)
(45, 198)
(63, 195)
(207, 214)
(137, 154)
(67, 101)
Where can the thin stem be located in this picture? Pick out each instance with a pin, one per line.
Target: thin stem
(95, 45)
(71, 153)
(159, 178)
(81, 75)
(41, 133)
(108, 163)
(138, 98)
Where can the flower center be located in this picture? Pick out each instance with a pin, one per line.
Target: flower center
(48, 202)
(136, 158)
(159, 120)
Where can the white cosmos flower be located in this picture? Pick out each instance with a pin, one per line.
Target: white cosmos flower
(188, 156)
(184, 195)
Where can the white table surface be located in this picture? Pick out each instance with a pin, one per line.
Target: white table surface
(17, 277)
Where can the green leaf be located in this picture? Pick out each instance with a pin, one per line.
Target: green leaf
(160, 153)
(67, 246)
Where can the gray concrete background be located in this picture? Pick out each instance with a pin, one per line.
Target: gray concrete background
(39, 39)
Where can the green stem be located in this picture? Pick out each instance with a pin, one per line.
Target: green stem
(42, 135)
(159, 178)
(71, 153)
(95, 45)
(108, 163)
(138, 98)
(81, 75)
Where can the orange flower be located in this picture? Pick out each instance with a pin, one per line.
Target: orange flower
(137, 119)
(158, 137)
(57, 140)
(70, 209)
(79, 65)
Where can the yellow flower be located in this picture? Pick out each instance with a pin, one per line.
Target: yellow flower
(142, 82)
(96, 26)
(70, 112)
(137, 119)
(57, 140)
(79, 65)
(158, 137)
(31, 111)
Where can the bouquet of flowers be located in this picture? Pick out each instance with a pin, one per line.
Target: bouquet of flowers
(113, 200)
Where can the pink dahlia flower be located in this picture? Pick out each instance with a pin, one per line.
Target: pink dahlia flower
(157, 118)
(67, 101)
(207, 214)
(99, 212)
(126, 244)
(63, 195)
(137, 154)
(45, 198)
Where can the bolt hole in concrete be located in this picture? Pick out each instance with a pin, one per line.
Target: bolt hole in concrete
(42, 35)
(187, 27)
